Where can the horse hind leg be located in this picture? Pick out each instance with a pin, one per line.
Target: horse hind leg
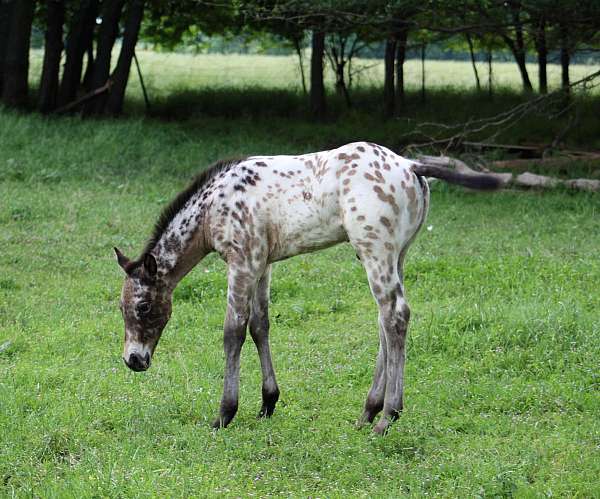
(394, 315)
(375, 398)
(259, 330)
(381, 265)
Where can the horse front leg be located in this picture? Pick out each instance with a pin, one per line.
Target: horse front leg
(259, 330)
(240, 290)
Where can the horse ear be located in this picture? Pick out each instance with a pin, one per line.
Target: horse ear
(150, 264)
(122, 260)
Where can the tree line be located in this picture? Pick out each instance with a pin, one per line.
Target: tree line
(79, 37)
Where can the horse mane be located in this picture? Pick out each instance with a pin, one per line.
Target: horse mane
(177, 204)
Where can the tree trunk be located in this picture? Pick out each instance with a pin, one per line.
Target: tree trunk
(120, 76)
(388, 82)
(527, 86)
(298, 48)
(490, 56)
(6, 9)
(402, 37)
(340, 82)
(338, 64)
(518, 47)
(53, 46)
(473, 63)
(565, 56)
(89, 67)
(81, 32)
(519, 55)
(109, 30)
(16, 64)
(423, 53)
(542, 53)
(317, 86)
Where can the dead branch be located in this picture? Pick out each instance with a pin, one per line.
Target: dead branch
(553, 162)
(85, 98)
(527, 179)
(428, 133)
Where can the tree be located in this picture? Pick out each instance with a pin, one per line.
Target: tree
(107, 34)
(16, 59)
(120, 76)
(81, 33)
(317, 86)
(389, 92)
(6, 8)
(53, 47)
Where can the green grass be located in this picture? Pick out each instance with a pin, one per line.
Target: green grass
(167, 72)
(263, 93)
(502, 381)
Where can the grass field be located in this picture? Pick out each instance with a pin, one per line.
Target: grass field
(167, 72)
(502, 394)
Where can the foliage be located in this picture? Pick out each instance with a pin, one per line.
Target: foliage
(523, 28)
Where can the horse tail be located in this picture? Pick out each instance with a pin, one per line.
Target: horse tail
(478, 181)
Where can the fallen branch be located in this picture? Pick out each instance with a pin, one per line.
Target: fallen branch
(509, 147)
(553, 162)
(462, 167)
(428, 134)
(84, 98)
(527, 179)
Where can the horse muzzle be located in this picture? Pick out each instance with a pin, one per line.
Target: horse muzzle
(137, 362)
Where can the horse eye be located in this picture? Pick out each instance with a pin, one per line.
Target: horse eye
(144, 308)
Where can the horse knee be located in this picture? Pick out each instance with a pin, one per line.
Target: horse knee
(394, 316)
(402, 314)
(259, 326)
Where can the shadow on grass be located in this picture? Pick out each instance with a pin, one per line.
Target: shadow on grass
(446, 106)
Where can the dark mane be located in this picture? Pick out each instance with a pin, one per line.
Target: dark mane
(175, 206)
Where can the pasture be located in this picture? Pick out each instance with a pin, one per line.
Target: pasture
(502, 379)
(166, 72)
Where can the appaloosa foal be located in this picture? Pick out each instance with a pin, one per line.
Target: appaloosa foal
(259, 210)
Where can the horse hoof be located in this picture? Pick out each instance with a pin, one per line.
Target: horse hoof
(382, 427)
(265, 412)
(220, 422)
(364, 420)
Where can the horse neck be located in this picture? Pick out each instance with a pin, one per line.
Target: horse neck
(182, 246)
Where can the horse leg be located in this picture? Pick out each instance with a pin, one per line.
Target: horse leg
(374, 402)
(382, 263)
(394, 315)
(259, 330)
(241, 286)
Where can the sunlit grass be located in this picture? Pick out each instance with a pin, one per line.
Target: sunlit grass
(169, 72)
(502, 375)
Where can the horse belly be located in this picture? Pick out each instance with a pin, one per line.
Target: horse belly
(306, 225)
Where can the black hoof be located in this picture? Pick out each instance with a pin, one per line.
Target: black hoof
(227, 413)
(268, 405)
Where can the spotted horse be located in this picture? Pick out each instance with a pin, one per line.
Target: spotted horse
(262, 209)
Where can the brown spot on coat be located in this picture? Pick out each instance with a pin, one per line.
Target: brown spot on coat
(387, 224)
(370, 177)
(341, 171)
(387, 198)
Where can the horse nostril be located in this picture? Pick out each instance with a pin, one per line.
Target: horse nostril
(137, 363)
